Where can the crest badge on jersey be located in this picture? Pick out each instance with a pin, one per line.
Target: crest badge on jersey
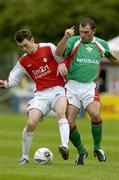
(44, 58)
(89, 49)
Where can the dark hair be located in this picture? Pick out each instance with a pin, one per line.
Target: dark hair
(88, 21)
(23, 34)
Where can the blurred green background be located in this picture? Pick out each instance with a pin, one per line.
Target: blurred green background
(48, 19)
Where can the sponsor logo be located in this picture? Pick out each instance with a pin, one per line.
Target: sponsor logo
(57, 95)
(42, 71)
(89, 49)
(89, 61)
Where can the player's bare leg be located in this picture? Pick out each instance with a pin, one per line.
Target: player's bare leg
(34, 116)
(60, 108)
(75, 137)
(96, 122)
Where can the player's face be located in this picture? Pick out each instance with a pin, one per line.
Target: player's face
(27, 46)
(86, 33)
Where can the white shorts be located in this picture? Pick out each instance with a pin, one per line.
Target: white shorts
(46, 99)
(84, 93)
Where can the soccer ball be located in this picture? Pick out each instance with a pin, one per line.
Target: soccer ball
(43, 156)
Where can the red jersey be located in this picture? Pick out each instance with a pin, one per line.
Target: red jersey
(42, 68)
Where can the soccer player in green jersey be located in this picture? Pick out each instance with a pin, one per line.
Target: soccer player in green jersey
(83, 54)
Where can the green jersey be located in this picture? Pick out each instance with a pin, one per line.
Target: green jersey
(84, 67)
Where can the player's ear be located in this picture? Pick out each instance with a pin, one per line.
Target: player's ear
(94, 30)
(32, 40)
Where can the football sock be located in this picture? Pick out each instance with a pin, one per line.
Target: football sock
(76, 140)
(97, 135)
(64, 131)
(26, 143)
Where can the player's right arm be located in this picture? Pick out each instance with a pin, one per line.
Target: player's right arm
(62, 44)
(14, 77)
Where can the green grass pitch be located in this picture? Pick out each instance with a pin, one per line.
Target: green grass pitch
(47, 135)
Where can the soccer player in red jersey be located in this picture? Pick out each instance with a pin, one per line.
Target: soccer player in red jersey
(40, 63)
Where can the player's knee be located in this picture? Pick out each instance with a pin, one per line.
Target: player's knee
(31, 126)
(61, 113)
(71, 125)
(95, 117)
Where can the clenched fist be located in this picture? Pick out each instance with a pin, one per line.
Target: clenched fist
(2, 83)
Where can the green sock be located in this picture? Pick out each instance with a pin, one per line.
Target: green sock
(97, 135)
(76, 140)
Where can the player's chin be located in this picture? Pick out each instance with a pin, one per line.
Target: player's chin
(84, 40)
(28, 52)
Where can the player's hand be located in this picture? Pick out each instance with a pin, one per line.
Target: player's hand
(69, 32)
(115, 54)
(2, 83)
(62, 70)
(114, 58)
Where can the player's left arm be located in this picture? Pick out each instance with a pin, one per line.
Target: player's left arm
(114, 58)
(110, 55)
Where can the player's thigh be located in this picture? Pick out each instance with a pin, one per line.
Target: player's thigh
(59, 100)
(34, 116)
(60, 106)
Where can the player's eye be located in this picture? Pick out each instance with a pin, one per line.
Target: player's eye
(84, 32)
